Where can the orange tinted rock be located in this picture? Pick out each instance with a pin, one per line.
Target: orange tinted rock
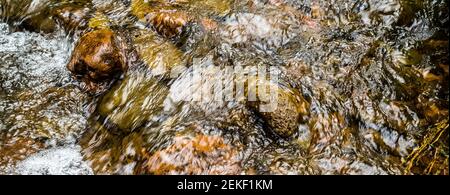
(198, 155)
(168, 23)
(98, 57)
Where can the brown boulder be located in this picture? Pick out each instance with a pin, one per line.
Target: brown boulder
(98, 57)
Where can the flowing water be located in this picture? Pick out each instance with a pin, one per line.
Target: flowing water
(371, 77)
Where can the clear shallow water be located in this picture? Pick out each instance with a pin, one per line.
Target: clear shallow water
(373, 73)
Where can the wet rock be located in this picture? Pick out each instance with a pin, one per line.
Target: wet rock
(158, 54)
(72, 17)
(197, 155)
(98, 57)
(132, 102)
(282, 109)
(168, 23)
(171, 18)
(163, 149)
(285, 119)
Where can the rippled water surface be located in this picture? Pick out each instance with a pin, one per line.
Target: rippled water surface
(363, 88)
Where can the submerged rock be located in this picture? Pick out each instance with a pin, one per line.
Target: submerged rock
(171, 18)
(166, 20)
(168, 23)
(282, 109)
(72, 17)
(195, 155)
(158, 54)
(98, 57)
(132, 102)
(218, 93)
